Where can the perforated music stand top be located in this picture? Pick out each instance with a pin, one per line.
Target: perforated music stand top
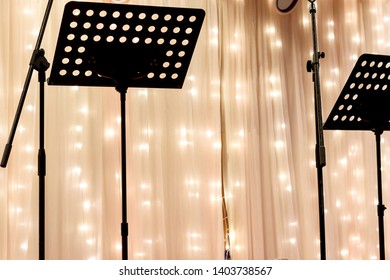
(138, 46)
(364, 103)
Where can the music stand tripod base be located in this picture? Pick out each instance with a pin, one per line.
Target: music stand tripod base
(123, 46)
(364, 105)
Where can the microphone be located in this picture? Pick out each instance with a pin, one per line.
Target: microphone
(285, 6)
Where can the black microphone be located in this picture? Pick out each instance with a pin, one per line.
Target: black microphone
(285, 6)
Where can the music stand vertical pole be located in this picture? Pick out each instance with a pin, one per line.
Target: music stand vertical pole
(314, 66)
(381, 208)
(124, 225)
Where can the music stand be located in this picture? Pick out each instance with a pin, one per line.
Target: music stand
(363, 105)
(122, 46)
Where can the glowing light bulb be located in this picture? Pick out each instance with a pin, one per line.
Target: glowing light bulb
(194, 235)
(273, 79)
(148, 131)
(217, 145)
(344, 161)
(354, 57)
(17, 210)
(356, 39)
(294, 224)
(27, 11)
(29, 149)
(194, 92)
(24, 246)
(30, 167)
(271, 30)
(344, 252)
(21, 129)
(110, 133)
(191, 182)
(78, 146)
(144, 147)
(183, 132)
(87, 205)
(146, 203)
(84, 110)
(78, 128)
(143, 92)
(330, 84)
(209, 133)
(76, 170)
(83, 227)
(282, 177)
(278, 43)
(279, 144)
(234, 47)
(193, 194)
(18, 186)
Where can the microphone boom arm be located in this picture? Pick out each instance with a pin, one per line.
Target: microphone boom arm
(37, 61)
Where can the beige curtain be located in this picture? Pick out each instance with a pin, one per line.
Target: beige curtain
(242, 126)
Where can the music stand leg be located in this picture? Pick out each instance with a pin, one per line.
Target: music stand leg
(380, 208)
(124, 225)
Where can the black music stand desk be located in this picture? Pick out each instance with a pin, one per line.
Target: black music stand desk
(122, 46)
(364, 105)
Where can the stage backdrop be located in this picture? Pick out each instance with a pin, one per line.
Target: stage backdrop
(239, 137)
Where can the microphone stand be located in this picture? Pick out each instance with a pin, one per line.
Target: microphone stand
(314, 67)
(39, 63)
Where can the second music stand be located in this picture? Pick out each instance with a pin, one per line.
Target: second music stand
(364, 105)
(122, 46)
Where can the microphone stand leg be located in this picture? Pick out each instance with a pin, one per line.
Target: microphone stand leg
(41, 65)
(314, 67)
